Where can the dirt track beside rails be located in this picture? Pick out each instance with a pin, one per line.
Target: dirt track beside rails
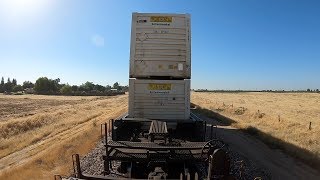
(255, 153)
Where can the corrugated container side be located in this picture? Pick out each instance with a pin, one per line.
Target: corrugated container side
(160, 45)
(159, 99)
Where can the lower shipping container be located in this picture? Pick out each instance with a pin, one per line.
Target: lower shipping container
(159, 99)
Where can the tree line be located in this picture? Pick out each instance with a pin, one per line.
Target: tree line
(44, 85)
(12, 86)
(277, 91)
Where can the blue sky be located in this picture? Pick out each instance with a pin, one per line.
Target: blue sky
(236, 44)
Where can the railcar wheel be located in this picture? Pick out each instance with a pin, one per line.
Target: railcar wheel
(210, 146)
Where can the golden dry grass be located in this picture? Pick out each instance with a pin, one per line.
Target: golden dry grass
(39, 134)
(285, 116)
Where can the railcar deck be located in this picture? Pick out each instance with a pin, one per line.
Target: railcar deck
(147, 151)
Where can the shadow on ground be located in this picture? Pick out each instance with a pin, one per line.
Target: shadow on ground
(214, 115)
(304, 155)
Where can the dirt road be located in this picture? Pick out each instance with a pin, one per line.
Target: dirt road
(278, 164)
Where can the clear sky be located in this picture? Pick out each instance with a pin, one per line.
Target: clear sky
(236, 44)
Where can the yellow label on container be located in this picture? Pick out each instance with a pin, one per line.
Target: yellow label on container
(161, 19)
(153, 86)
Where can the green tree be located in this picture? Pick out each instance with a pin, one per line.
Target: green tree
(88, 86)
(8, 86)
(66, 89)
(74, 88)
(54, 85)
(116, 85)
(17, 88)
(98, 87)
(125, 88)
(27, 84)
(57, 81)
(14, 82)
(81, 88)
(2, 81)
(2, 85)
(42, 85)
(108, 87)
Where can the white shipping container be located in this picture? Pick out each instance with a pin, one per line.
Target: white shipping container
(159, 99)
(160, 45)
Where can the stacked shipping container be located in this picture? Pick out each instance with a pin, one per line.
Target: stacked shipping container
(160, 66)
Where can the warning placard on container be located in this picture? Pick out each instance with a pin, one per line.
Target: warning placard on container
(160, 19)
(153, 86)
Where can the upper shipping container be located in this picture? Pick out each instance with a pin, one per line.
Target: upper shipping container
(160, 46)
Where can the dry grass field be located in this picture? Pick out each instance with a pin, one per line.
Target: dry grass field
(38, 134)
(280, 117)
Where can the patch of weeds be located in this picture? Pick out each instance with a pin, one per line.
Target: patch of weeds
(2, 147)
(14, 128)
(259, 114)
(219, 110)
(39, 161)
(36, 140)
(67, 146)
(240, 111)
